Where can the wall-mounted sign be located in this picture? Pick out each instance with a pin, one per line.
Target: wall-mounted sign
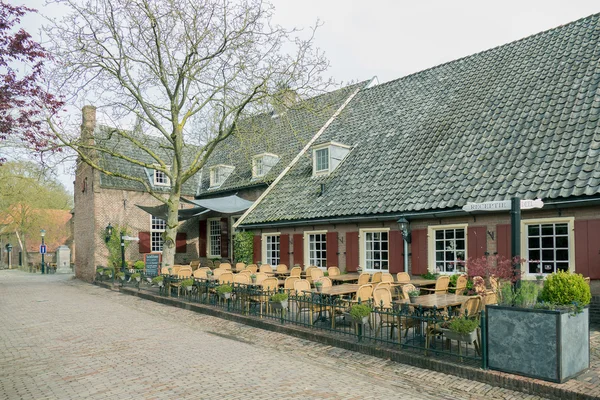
(503, 205)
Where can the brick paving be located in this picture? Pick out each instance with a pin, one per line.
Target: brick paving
(62, 339)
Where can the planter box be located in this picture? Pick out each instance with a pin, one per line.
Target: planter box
(543, 344)
(279, 305)
(461, 337)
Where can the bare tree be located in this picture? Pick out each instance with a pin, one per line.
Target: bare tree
(167, 62)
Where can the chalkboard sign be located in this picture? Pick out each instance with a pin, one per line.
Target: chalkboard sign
(152, 262)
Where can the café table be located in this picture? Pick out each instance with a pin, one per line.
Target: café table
(333, 291)
(421, 282)
(439, 301)
(344, 278)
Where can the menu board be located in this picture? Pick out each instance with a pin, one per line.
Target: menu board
(152, 261)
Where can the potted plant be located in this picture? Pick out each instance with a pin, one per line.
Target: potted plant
(319, 286)
(413, 294)
(360, 313)
(139, 265)
(120, 275)
(279, 301)
(224, 291)
(136, 276)
(253, 278)
(109, 272)
(100, 271)
(187, 284)
(543, 334)
(462, 329)
(159, 280)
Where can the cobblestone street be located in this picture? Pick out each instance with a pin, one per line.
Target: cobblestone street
(64, 339)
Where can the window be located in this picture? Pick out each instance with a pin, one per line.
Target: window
(157, 228)
(322, 160)
(219, 174)
(374, 249)
(316, 248)
(548, 244)
(214, 237)
(271, 252)
(161, 179)
(262, 164)
(327, 157)
(259, 167)
(449, 244)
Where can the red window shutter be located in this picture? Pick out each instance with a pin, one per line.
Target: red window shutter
(224, 237)
(351, 251)
(396, 252)
(476, 241)
(298, 239)
(284, 249)
(332, 249)
(587, 248)
(419, 251)
(256, 249)
(202, 238)
(144, 243)
(503, 241)
(181, 242)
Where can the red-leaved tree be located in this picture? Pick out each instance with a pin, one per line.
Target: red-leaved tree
(24, 102)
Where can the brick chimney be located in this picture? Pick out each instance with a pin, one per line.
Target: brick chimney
(88, 124)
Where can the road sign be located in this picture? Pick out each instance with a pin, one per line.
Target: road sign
(502, 205)
(43, 249)
(131, 238)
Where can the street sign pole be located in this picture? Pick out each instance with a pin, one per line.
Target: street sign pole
(515, 237)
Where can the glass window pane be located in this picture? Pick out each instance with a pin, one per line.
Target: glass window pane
(534, 230)
(548, 268)
(534, 268)
(562, 255)
(547, 255)
(439, 234)
(547, 242)
(439, 245)
(547, 230)
(534, 243)
(562, 241)
(562, 266)
(534, 255)
(450, 234)
(561, 229)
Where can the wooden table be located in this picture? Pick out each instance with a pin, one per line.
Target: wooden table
(344, 278)
(421, 282)
(440, 301)
(337, 290)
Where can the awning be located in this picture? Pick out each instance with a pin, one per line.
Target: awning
(222, 205)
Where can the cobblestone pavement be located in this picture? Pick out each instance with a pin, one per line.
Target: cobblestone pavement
(64, 339)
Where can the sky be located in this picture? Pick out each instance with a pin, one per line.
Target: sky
(391, 39)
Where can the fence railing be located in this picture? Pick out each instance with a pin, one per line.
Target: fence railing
(404, 326)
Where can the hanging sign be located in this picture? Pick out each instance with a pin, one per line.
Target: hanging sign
(503, 205)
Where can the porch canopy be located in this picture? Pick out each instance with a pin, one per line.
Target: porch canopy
(221, 205)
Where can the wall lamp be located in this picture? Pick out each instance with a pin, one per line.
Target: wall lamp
(404, 227)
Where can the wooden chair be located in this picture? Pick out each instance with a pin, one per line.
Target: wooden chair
(382, 298)
(296, 271)
(376, 278)
(207, 264)
(406, 289)
(471, 309)
(386, 277)
(383, 285)
(226, 266)
(288, 285)
(245, 272)
(441, 285)
(240, 266)
(308, 273)
(364, 278)
(164, 271)
(461, 285)
(200, 274)
(252, 268)
(281, 268)
(326, 281)
(403, 277)
(333, 271)
(266, 268)
(175, 269)
(260, 277)
(241, 295)
(302, 288)
(181, 275)
(316, 274)
(195, 264)
(218, 271)
(225, 278)
(269, 286)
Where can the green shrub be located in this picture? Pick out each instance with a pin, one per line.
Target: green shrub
(120, 275)
(114, 245)
(139, 265)
(135, 276)
(359, 311)
(429, 275)
(224, 289)
(109, 271)
(463, 325)
(525, 296)
(187, 282)
(243, 244)
(279, 297)
(100, 271)
(454, 278)
(157, 279)
(565, 288)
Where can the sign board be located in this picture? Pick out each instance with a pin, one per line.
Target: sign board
(152, 261)
(131, 238)
(43, 249)
(503, 205)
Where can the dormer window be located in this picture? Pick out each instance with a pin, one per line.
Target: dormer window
(219, 174)
(262, 164)
(327, 156)
(161, 179)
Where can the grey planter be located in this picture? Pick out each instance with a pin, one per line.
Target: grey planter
(543, 344)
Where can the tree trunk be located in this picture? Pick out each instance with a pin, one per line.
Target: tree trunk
(168, 253)
(22, 244)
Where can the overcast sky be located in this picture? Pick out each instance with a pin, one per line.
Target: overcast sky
(390, 39)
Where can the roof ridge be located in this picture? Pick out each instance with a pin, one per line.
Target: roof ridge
(488, 50)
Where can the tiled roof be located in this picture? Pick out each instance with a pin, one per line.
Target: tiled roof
(283, 135)
(518, 120)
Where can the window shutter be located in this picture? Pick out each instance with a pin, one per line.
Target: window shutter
(256, 249)
(396, 252)
(224, 238)
(144, 243)
(202, 238)
(284, 249)
(476, 241)
(503, 241)
(331, 252)
(181, 242)
(298, 239)
(419, 251)
(351, 251)
(587, 248)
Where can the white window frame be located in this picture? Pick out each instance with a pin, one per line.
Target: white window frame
(307, 249)
(218, 170)
(570, 221)
(167, 180)
(261, 157)
(431, 245)
(209, 238)
(327, 146)
(264, 256)
(362, 233)
(159, 231)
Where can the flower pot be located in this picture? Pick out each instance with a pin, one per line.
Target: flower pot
(226, 295)
(413, 299)
(279, 305)
(253, 280)
(188, 288)
(362, 321)
(138, 279)
(461, 337)
(319, 288)
(122, 277)
(160, 283)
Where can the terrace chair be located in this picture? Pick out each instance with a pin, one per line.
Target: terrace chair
(364, 278)
(269, 287)
(217, 272)
(305, 301)
(588, 280)
(376, 278)
(245, 272)
(260, 277)
(164, 271)
(308, 273)
(225, 278)
(195, 264)
(382, 297)
(181, 275)
(225, 265)
(175, 269)
(326, 281)
(240, 267)
(333, 271)
(288, 285)
(461, 285)
(316, 274)
(471, 309)
(241, 295)
(441, 285)
(296, 271)
(266, 268)
(403, 277)
(252, 268)
(281, 268)
(200, 274)
(406, 289)
(386, 277)
(208, 264)
(383, 285)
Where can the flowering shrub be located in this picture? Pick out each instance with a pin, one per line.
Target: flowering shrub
(493, 266)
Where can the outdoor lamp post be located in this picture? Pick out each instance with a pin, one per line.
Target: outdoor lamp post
(404, 227)
(9, 251)
(43, 233)
(108, 233)
(123, 251)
